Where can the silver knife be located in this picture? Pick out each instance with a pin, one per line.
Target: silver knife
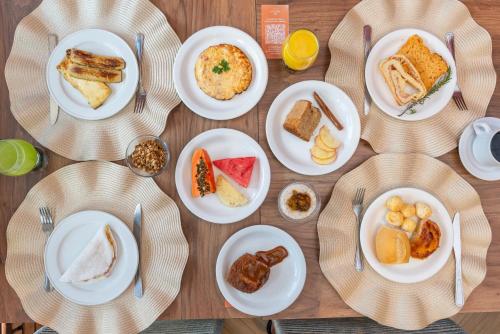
(53, 107)
(367, 43)
(457, 248)
(137, 235)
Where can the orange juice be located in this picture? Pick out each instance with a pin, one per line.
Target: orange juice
(300, 49)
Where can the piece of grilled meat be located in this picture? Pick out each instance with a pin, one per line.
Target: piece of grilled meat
(426, 240)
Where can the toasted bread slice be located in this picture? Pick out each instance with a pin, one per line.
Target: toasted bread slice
(86, 58)
(93, 73)
(95, 92)
(430, 65)
(302, 120)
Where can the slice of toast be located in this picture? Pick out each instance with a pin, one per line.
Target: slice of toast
(302, 120)
(95, 92)
(430, 65)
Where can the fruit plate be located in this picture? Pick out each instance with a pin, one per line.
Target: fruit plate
(220, 144)
(187, 87)
(416, 270)
(380, 92)
(286, 279)
(293, 152)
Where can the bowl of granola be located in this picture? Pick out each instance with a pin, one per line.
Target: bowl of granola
(147, 155)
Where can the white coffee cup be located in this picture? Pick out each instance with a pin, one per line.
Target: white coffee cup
(482, 143)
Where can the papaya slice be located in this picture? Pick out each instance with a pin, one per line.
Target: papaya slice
(202, 174)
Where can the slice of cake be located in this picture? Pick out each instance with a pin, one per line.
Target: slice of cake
(228, 194)
(302, 120)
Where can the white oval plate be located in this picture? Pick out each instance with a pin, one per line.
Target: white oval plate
(416, 270)
(185, 82)
(220, 144)
(70, 237)
(292, 151)
(467, 157)
(100, 42)
(380, 92)
(286, 279)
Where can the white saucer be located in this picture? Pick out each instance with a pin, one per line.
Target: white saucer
(286, 279)
(380, 92)
(70, 237)
(187, 87)
(100, 42)
(470, 163)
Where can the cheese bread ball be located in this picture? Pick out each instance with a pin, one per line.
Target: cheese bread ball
(394, 203)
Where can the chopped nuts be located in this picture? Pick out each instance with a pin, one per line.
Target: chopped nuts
(148, 156)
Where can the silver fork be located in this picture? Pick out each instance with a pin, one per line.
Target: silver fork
(47, 228)
(140, 95)
(457, 93)
(357, 207)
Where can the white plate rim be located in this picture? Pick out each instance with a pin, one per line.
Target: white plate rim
(132, 75)
(370, 63)
(233, 239)
(447, 223)
(282, 158)
(134, 250)
(254, 204)
(214, 114)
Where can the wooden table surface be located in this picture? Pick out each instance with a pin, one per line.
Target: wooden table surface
(199, 296)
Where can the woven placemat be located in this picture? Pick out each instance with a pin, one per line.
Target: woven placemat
(115, 189)
(404, 306)
(91, 140)
(476, 74)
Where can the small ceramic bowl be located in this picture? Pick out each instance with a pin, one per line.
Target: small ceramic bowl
(285, 193)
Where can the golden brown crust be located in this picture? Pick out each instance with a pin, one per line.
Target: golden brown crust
(89, 59)
(225, 85)
(302, 120)
(94, 74)
(426, 240)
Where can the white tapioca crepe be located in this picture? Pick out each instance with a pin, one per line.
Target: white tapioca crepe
(95, 261)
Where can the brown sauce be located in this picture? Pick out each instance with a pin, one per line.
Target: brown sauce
(299, 201)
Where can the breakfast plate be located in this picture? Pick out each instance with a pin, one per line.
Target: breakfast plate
(222, 145)
(188, 88)
(295, 153)
(378, 88)
(70, 237)
(99, 42)
(286, 279)
(416, 269)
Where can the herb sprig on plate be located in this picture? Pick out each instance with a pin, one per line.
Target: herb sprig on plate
(223, 66)
(410, 109)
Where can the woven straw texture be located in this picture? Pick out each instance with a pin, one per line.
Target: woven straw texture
(91, 140)
(404, 306)
(476, 75)
(115, 189)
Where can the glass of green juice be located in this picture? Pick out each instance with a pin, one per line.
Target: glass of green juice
(18, 157)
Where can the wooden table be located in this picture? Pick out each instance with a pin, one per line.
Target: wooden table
(199, 296)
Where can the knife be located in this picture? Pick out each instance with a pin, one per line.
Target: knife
(457, 249)
(53, 107)
(367, 43)
(137, 235)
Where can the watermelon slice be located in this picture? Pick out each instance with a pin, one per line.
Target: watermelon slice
(239, 169)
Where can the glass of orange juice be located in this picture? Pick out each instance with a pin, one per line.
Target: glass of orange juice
(300, 50)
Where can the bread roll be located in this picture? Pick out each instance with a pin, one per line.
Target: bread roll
(392, 246)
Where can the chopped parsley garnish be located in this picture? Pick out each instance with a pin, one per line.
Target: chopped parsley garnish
(223, 66)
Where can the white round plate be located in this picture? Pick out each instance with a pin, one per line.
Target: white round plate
(221, 144)
(185, 82)
(416, 270)
(67, 241)
(467, 157)
(293, 152)
(100, 42)
(286, 279)
(380, 92)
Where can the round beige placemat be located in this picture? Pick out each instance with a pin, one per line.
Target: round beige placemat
(404, 306)
(476, 74)
(115, 189)
(74, 138)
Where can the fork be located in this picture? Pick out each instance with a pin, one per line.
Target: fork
(357, 207)
(47, 228)
(140, 95)
(457, 93)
